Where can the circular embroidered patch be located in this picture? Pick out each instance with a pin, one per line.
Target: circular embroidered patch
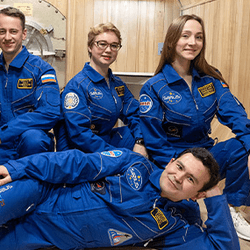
(134, 178)
(71, 100)
(96, 93)
(146, 103)
(171, 97)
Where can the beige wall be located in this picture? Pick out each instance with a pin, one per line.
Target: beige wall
(142, 24)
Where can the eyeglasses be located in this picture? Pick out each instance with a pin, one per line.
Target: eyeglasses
(104, 45)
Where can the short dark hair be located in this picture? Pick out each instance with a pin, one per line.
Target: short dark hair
(13, 12)
(209, 162)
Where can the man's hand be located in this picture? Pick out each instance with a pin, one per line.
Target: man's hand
(4, 175)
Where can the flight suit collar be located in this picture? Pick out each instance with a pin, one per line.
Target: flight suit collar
(18, 61)
(172, 76)
(155, 178)
(94, 75)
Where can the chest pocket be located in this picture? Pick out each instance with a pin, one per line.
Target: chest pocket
(176, 118)
(25, 102)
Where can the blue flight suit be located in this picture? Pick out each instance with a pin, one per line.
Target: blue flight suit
(174, 118)
(74, 200)
(29, 106)
(91, 107)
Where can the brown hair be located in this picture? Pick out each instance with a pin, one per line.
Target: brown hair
(13, 12)
(99, 29)
(171, 39)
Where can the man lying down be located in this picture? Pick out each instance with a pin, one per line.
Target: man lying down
(73, 200)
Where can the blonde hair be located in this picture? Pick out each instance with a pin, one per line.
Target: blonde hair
(169, 46)
(99, 29)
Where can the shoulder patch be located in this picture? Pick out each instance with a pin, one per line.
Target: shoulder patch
(207, 90)
(71, 100)
(117, 237)
(25, 83)
(96, 93)
(171, 97)
(113, 153)
(48, 78)
(159, 217)
(146, 103)
(120, 90)
(134, 178)
(224, 85)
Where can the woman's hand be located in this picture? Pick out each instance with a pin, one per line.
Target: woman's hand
(4, 175)
(138, 148)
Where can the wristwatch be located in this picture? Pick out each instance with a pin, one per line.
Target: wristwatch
(139, 141)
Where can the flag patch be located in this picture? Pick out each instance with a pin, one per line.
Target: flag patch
(48, 78)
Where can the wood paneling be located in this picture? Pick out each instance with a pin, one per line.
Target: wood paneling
(143, 25)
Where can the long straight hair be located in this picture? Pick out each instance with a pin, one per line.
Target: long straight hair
(169, 46)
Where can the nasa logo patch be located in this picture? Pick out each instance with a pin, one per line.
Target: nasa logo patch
(146, 103)
(171, 97)
(134, 178)
(71, 100)
(96, 93)
(114, 153)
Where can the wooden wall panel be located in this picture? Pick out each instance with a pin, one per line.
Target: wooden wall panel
(143, 25)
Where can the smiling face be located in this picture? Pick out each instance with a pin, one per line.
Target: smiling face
(11, 36)
(183, 178)
(190, 43)
(103, 58)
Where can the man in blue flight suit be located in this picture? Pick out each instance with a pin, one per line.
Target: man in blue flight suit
(29, 95)
(74, 200)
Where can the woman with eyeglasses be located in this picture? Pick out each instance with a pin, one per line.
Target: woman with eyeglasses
(94, 100)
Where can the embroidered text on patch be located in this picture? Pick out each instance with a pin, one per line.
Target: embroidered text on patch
(159, 217)
(146, 103)
(120, 90)
(171, 97)
(48, 78)
(25, 83)
(207, 90)
(96, 93)
(134, 178)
